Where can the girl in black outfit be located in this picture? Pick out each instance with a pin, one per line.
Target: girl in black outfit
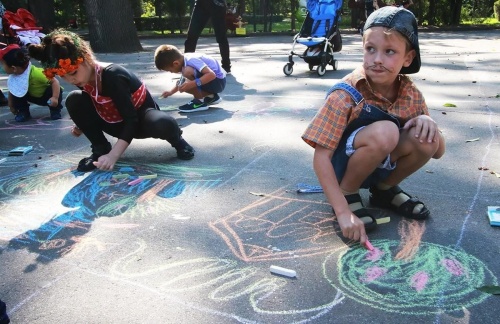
(111, 99)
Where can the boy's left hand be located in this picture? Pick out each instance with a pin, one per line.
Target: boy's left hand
(187, 86)
(426, 128)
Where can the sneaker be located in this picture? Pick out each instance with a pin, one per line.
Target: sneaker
(227, 69)
(212, 100)
(55, 114)
(22, 117)
(193, 105)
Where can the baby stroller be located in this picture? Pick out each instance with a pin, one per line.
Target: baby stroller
(321, 35)
(20, 27)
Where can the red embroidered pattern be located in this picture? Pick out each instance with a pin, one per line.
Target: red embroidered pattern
(105, 106)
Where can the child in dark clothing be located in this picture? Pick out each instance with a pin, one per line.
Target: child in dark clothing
(26, 83)
(111, 100)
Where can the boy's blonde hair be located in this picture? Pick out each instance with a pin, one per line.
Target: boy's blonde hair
(165, 55)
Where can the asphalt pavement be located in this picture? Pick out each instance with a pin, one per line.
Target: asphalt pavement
(194, 241)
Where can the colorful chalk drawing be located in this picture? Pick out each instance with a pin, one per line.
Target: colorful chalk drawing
(426, 279)
(204, 283)
(249, 231)
(438, 279)
(47, 212)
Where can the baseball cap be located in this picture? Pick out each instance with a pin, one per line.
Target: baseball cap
(13, 55)
(403, 21)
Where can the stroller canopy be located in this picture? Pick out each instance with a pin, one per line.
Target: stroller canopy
(321, 9)
(324, 15)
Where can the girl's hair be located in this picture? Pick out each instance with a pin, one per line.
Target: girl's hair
(16, 57)
(165, 55)
(60, 45)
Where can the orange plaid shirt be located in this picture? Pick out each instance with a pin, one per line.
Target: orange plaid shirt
(327, 127)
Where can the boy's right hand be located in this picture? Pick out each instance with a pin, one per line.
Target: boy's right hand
(165, 94)
(352, 227)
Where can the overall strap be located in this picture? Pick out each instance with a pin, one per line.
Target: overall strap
(355, 95)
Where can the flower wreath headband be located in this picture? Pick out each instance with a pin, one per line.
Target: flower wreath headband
(63, 66)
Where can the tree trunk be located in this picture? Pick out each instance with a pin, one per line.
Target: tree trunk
(241, 8)
(431, 14)
(111, 26)
(456, 8)
(43, 10)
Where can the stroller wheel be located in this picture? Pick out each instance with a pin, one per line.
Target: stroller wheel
(321, 70)
(288, 69)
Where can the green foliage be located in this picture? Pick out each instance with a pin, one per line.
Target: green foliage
(496, 9)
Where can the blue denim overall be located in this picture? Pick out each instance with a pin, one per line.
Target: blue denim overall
(369, 114)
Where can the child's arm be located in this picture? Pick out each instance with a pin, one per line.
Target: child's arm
(107, 162)
(10, 102)
(352, 227)
(168, 93)
(56, 91)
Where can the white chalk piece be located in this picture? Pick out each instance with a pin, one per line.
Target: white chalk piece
(283, 271)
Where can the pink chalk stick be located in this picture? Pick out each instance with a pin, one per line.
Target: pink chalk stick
(369, 246)
(134, 182)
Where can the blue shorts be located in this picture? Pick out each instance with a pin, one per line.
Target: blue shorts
(344, 152)
(215, 86)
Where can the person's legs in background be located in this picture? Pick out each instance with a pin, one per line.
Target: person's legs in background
(219, 24)
(199, 19)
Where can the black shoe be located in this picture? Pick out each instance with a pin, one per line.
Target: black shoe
(86, 164)
(184, 150)
(186, 153)
(55, 114)
(227, 69)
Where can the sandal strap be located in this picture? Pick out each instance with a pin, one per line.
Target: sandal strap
(353, 198)
(363, 214)
(408, 206)
(383, 198)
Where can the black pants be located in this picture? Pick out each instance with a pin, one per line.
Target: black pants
(203, 10)
(23, 103)
(153, 123)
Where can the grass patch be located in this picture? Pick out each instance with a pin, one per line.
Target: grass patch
(490, 21)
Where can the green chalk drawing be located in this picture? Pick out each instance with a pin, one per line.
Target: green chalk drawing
(438, 279)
